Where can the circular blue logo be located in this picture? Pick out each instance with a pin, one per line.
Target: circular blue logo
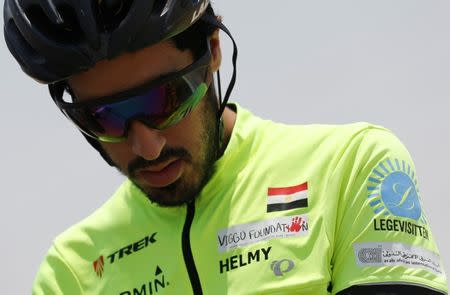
(399, 195)
(393, 190)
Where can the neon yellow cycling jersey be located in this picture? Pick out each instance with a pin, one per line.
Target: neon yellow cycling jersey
(290, 210)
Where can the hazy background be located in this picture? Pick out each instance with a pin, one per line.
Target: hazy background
(382, 61)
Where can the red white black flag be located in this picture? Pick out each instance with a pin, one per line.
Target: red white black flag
(285, 198)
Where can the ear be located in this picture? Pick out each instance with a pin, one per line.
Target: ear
(216, 52)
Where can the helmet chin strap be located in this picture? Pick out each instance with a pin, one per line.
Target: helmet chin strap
(220, 125)
(212, 19)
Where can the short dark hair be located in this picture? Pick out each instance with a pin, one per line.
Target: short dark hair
(193, 37)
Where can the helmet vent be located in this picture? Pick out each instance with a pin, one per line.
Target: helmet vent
(25, 47)
(112, 12)
(65, 31)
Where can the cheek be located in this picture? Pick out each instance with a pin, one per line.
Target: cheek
(181, 135)
(188, 132)
(120, 153)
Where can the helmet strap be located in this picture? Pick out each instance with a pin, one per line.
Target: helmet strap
(211, 19)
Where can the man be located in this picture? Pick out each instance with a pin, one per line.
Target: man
(217, 201)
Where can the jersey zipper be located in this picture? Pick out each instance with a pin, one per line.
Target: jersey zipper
(187, 251)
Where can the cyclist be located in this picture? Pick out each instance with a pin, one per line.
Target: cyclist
(216, 200)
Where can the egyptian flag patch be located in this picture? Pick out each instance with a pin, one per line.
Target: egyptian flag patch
(286, 198)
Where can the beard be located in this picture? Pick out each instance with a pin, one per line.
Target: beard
(187, 187)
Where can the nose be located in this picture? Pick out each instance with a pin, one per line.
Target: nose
(145, 141)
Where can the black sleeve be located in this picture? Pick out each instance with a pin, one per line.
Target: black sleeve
(388, 290)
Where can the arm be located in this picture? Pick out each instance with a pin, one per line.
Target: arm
(55, 276)
(383, 242)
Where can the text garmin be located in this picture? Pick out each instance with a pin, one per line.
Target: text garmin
(153, 286)
(237, 261)
(395, 225)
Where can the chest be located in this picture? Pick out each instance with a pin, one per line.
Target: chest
(264, 234)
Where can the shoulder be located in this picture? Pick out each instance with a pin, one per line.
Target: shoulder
(253, 128)
(334, 140)
(83, 239)
(65, 263)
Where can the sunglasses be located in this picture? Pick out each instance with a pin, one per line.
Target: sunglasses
(159, 104)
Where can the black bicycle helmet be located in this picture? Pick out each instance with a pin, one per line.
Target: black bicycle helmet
(54, 39)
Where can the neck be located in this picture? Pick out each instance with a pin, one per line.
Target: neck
(229, 119)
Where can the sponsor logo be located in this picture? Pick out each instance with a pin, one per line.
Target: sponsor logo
(393, 190)
(123, 252)
(395, 225)
(98, 266)
(251, 233)
(238, 261)
(199, 11)
(286, 198)
(155, 285)
(132, 248)
(391, 254)
(279, 267)
(393, 194)
(370, 255)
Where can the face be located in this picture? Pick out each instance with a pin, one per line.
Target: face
(172, 165)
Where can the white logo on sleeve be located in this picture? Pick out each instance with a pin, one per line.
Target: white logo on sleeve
(390, 254)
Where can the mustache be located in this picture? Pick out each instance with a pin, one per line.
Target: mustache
(165, 155)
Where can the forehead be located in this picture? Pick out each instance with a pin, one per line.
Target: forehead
(129, 70)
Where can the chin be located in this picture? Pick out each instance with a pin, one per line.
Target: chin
(173, 195)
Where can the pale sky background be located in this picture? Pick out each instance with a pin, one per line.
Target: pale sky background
(383, 61)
